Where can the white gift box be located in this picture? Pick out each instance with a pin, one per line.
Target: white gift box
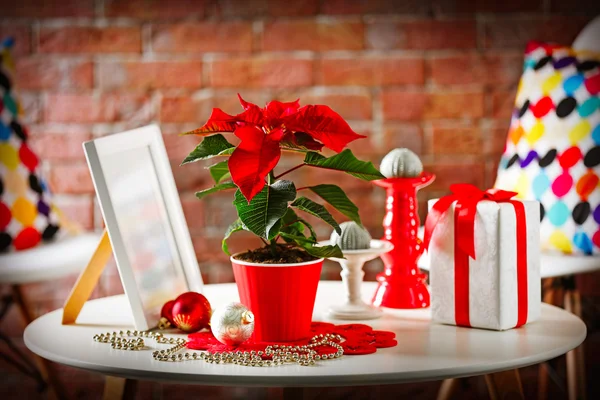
(492, 276)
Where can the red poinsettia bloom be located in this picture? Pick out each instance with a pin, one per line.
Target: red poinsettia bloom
(265, 131)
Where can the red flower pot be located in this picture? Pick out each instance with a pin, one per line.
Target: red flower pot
(281, 296)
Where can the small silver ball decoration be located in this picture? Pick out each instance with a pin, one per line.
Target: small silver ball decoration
(232, 324)
(401, 163)
(353, 237)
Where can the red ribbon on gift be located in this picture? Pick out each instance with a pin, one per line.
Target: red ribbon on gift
(466, 197)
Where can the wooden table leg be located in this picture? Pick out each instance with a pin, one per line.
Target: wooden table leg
(505, 385)
(116, 388)
(575, 360)
(55, 389)
(448, 389)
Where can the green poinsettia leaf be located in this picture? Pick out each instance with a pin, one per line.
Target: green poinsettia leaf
(217, 188)
(291, 223)
(309, 206)
(344, 161)
(335, 196)
(312, 248)
(236, 226)
(211, 146)
(263, 214)
(219, 171)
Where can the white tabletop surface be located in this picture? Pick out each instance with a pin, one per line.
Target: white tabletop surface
(425, 351)
(54, 260)
(552, 265)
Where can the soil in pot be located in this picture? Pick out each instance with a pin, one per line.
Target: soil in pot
(284, 255)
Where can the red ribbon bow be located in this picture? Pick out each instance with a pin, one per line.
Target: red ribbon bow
(466, 196)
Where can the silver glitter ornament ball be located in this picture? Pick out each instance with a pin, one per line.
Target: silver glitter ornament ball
(232, 324)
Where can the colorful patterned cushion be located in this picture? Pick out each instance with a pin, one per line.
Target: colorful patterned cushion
(27, 215)
(552, 152)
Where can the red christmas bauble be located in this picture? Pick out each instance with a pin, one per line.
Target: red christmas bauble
(191, 312)
(167, 311)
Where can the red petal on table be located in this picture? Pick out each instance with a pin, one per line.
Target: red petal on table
(542, 107)
(352, 329)
(354, 348)
(255, 156)
(383, 335)
(382, 344)
(592, 84)
(323, 124)
(201, 341)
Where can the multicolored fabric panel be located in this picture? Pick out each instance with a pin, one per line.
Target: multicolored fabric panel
(27, 215)
(552, 152)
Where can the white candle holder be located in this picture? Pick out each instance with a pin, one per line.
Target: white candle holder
(352, 276)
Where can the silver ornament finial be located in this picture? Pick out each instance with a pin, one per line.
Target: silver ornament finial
(401, 163)
(353, 237)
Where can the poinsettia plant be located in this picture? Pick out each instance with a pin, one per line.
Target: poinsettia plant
(265, 203)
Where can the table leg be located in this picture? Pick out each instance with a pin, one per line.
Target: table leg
(575, 361)
(448, 389)
(116, 388)
(543, 378)
(505, 385)
(55, 389)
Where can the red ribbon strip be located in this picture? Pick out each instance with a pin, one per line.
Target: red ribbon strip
(466, 197)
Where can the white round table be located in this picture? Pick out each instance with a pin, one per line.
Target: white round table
(425, 351)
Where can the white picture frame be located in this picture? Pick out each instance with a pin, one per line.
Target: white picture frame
(145, 222)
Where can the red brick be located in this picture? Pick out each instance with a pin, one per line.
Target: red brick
(374, 71)
(150, 75)
(178, 147)
(414, 105)
(78, 39)
(44, 73)
(490, 70)
(495, 139)
(449, 173)
(193, 209)
(310, 35)
(54, 144)
(190, 177)
(71, 178)
(422, 35)
(261, 72)
(349, 106)
(185, 109)
(21, 35)
(78, 210)
(202, 37)
(516, 32)
(278, 8)
(478, 6)
(339, 7)
(156, 9)
(405, 135)
(97, 108)
(31, 105)
(502, 104)
(241, 8)
(47, 8)
(453, 139)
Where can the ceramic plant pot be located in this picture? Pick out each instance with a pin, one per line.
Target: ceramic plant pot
(281, 296)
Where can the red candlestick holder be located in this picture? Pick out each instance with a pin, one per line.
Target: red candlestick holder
(401, 285)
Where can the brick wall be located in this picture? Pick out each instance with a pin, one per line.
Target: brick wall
(438, 77)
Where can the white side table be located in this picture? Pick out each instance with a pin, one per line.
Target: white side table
(65, 256)
(425, 351)
(563, 267)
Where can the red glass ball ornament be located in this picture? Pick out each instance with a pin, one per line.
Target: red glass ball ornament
(167, 311)
(191, 312)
